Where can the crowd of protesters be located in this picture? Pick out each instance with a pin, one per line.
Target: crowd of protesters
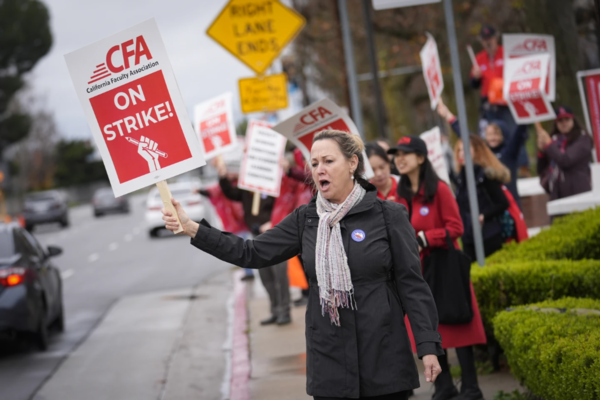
(358, 249)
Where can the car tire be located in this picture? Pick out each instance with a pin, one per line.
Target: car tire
(98, 214)
(41, 336)
(64, 222)
(59, 322)
(29, 227)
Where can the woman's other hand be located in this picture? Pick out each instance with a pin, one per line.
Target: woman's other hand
(190, 227)
(481, 219)
(265, 227)
(432, 367)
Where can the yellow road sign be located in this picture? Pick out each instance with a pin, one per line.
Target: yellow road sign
(268, 93)
(255, 31)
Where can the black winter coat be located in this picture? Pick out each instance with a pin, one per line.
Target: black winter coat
(490, 198)
(370, 353)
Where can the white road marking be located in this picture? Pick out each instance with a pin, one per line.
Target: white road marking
(128, 238)
(113, 246)
(93, 257)
(67, 274)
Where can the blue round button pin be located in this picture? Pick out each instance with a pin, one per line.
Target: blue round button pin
(358, 235)
(424, 211)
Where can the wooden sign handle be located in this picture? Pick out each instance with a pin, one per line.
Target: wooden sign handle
(255, 203)
(165, 195)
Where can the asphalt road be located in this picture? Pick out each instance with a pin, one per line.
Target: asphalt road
(104, 259)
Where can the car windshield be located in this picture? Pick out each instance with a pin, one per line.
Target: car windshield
(105, 194)
(7, 244)
(44, 196)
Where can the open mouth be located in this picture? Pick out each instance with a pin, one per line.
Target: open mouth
(324, 184)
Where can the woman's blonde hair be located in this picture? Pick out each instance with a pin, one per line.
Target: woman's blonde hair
(483, 156)
(349, 145)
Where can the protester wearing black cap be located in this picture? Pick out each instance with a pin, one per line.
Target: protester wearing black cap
(490, 61)
(564, 156)
(434, 213)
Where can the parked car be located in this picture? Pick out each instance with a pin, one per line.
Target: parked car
(45, 207)
(30, 287)
(186, 193)
(104, 201)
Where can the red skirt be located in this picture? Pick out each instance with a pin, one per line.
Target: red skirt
(458, 335)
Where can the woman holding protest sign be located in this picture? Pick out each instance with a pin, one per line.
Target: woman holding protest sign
(435, 217)
(384, 181)
(361, 257)
(490, 175)
(564, 156)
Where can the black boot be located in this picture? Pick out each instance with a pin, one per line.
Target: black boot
(269, 321)
(444, 386)
(469, 390)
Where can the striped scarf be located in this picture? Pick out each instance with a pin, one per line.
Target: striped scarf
(333, 273)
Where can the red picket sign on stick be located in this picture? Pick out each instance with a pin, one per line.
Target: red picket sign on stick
(132, 104)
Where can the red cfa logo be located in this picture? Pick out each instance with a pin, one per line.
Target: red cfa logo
(118, 58)
(531, 46)
(311, 117)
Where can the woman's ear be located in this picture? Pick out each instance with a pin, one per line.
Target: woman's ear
(420, 159)
(353, 162)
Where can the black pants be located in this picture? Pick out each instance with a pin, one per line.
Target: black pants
(490, 246)
(393, 396)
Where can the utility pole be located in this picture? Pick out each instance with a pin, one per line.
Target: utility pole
(382, 128)
(355, 106)
(464, 131)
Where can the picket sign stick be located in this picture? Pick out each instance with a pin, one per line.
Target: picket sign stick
(255, 203)
(472, 56)
(165, 195)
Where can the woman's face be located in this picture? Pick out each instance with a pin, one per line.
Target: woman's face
(564, 125)
(460, 154)
(381, 169)
(331, 171)
(408, 162)
(493, 136)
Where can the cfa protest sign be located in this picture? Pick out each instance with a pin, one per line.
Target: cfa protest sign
(301, 127)
(213, 120)
(432, 70)
(255, 31)
(264, 93)
(133, 106)
(261, 166)
(524, 88)
(521, 45)
(435, 153)
(590, 99)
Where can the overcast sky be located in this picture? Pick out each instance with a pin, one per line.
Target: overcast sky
(203, 69)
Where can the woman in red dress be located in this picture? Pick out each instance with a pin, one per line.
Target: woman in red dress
(433, 211)
(384, 181)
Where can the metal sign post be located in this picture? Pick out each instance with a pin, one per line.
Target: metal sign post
(355, 106)
(464, 131)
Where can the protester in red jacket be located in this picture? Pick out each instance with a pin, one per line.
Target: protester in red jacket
(433, 211)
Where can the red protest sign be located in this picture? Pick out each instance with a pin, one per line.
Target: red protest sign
(432, 70)
(214, 123)
(133, 106)
(134, 113)
(592, 86)
(524, 88)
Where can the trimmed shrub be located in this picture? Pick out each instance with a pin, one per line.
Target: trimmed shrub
(574, 237)
(556, 355)
(512, 284)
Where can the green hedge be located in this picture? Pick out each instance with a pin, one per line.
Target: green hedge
(512, 284)
(573, 237)
(556, 355)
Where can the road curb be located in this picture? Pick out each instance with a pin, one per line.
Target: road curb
(240, 349)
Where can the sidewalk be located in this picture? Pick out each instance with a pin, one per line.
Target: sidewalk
(166, 345)
(278, 357)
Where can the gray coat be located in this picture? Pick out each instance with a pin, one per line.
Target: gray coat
(370, 353)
